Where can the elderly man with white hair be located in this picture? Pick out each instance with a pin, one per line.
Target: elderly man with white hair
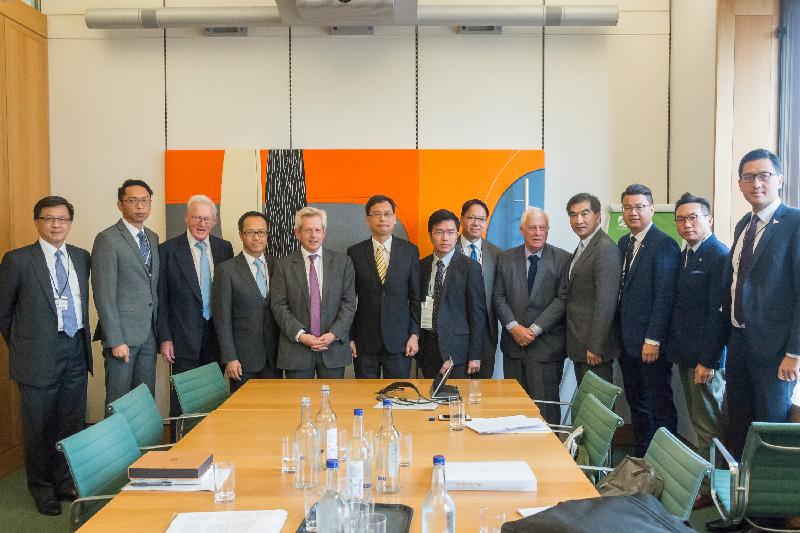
(530, 293)
(314, 302)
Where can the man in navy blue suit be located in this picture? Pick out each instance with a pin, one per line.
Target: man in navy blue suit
(647, 290)
(762, 282)
(696, 341)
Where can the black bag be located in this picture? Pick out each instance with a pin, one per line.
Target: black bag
(639, 513)
(630, 476)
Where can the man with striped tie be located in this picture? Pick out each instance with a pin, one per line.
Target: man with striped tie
(125, 268)
(385, 332)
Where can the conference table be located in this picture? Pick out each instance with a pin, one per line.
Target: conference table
(248, 427)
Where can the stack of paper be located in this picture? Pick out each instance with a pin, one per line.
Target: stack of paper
(489, 475)
(508, 424)
(229, 522)
(205, 483)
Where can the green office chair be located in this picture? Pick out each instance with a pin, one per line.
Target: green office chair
(590, 441)
(607, 393)
(98, 459)
(200, 391)
(766, 483)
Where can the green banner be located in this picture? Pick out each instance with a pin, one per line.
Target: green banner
(664, 220)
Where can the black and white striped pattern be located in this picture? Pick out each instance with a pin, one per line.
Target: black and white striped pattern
(286, 194)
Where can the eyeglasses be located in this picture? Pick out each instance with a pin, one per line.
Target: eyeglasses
(381, 214)
(441, 232)
(52, 220)
(205, 220)
(629, 208)
(137, 201)
(690, 218)
(763, 177)
(472, 218)
(253, 233)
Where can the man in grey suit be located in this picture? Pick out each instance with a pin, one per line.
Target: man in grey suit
(240, 303)
(44, 318)
(314, 301)
(474, 215)
(530, 294)
(125, 286)
(593, 291)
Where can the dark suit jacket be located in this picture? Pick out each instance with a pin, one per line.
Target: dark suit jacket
(387, 313)
(461, 315)
(545, 306)
(696, 332)
(489, 265)
(180, 309)
(593, 291)
(646, 299)
(289, 290)
(243, 321)
(772, 289)
(28, 319)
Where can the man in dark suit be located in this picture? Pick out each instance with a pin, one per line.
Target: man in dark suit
(647, 292)
(696, 340)
(185, 329)
(385, 332)
(762, 284)
(44, 319)
(530, 294)
(474, 216)
(593, 291)
(125, 287)
(240, 304)
(453, 318)
(314, 301)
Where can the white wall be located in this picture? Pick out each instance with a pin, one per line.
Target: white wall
(604, 114)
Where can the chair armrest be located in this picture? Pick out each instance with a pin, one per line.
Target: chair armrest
(157, 447)
(603, 469)
(560, 426)
(736, 510)
(75, 508)
(726, 455)
(552, 402)
(185, 417)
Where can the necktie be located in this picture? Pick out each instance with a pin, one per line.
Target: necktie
(68, 318)
(745, 264)
(144, 249)
(438, 281)
(578, 252)
(205, 279)
(380, 262)
(474, 253)
(314, 299)
(689, 257)
(628, 259)
(261, 280)
(534, 265)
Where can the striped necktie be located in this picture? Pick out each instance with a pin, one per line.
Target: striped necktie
(380, 262)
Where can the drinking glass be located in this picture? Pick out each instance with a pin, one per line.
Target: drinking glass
(456, 414)
(406, 448)
(491, 521)
(288, 460)
(224, 482)
(475, 394)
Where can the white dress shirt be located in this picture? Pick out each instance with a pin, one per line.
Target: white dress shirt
(135, 234)
(466, 248)
(196, 254)
(72, 278)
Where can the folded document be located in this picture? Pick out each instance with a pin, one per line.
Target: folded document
(229, 522)
(508, 424)
(489, 475)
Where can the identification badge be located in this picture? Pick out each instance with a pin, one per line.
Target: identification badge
(62, 304)
(426, 321)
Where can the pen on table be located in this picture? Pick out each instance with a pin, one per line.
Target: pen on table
(151, 483)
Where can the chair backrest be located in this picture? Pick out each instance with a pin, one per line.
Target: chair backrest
(770, 470)
(604, 391)
(200, 390)
(99, 456)
(140, 410)
(681, 469)
(599, 425)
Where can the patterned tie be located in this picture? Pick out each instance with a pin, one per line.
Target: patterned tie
(534, 266)
(68, 317)
(380, 262)
(474, 253)
(438, 281)
(628, 259)
(144, 249)
(745, 264)
(261, 280)
(205, 279)
(314, 298)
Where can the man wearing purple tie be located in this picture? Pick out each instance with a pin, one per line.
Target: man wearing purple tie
(314, 301)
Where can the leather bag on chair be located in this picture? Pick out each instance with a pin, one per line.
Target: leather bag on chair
(630, 476)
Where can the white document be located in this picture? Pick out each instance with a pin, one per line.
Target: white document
(421, 406)
(490, 475)
(529, 511)
(229, 522)
(426, 319)
(206, 484)
(508, 424)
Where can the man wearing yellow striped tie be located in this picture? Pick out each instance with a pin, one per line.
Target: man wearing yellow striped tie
(385, 332)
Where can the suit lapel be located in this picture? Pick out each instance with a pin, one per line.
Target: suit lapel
(584, 257)
(245, 272)
(123, 229)
(637, 260)
(769, 231)
(299, 269)
(43, 275)
(83, 277)
(327, 266)
(452, 268)
(544, 263)
(369, 259)
(183, 254)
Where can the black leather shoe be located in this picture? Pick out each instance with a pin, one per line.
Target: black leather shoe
(49, 506)
(722, 525)
(68, 495)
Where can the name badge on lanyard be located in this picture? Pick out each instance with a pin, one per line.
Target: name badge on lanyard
(62, 304)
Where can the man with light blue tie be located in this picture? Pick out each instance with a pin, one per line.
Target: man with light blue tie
(185, 328)
(240, 304)
(44, 318)
(125, 286)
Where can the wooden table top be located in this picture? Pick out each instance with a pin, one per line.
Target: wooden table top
(248, 427)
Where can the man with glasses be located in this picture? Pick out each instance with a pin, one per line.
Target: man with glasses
(474, 215)
(44, 319)
(647, 291)
(696, 341)
(240, 303)
(385, 332)
(453, 317)
(185, 329)
(125, 269)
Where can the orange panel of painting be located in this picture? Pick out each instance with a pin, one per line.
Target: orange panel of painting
(264, 156)
(191, 172)
(352, 176)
